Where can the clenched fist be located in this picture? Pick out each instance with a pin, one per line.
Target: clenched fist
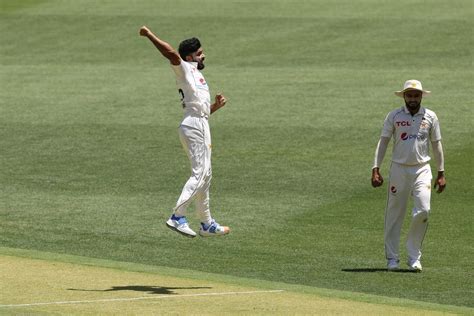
(144, 31)
(377, 179)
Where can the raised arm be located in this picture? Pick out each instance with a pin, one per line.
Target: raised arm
(165, 49)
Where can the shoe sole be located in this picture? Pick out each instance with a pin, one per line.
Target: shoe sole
(213, 234)
(178, 231)
(413, 268)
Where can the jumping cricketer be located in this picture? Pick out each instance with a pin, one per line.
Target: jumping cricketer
(194, 132)
(413, 128)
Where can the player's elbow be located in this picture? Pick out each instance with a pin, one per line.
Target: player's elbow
(173, 57)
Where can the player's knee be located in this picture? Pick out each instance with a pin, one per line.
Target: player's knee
(421, 214)
(198, 172)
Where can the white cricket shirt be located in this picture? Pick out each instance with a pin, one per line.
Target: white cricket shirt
(411, 134)
(194, 93)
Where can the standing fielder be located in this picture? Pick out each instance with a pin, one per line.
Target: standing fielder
(194, 132)
(412, 128)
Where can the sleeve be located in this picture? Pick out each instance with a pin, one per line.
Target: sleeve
(435, 134)
(387, 130)
(380, 151)
(180, 70)
(438, 153)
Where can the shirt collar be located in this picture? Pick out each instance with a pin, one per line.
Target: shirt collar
(193, 63)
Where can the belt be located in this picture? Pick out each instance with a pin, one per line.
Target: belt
(198, 115)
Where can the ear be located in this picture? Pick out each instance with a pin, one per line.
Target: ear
(189, 58)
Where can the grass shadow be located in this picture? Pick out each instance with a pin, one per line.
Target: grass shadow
(372, 270)
(146, 288)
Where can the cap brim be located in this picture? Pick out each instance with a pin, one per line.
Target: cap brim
(401, 93)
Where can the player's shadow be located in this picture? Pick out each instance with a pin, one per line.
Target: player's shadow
(146, 288)
(372, 270)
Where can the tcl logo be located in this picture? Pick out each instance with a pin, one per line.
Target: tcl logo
(403, 123)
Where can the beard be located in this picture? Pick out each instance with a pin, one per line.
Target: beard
(413, 105)
(200, 65)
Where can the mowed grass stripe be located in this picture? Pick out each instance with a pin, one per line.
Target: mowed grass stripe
(53, 283)
(140, 298)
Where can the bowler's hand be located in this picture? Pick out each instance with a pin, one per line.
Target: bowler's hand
(377, 179)
(220, 102)
(440, 182)
(144, 31)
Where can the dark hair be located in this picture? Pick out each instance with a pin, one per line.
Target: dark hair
(188, 46)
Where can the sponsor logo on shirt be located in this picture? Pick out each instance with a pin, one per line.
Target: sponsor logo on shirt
(403, 123)
(406, 136)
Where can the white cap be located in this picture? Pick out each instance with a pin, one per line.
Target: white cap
(412, 85)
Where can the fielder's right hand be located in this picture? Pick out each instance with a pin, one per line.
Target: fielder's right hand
(377, 179)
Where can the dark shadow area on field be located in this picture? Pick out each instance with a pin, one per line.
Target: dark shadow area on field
(146, 288)
(370, 270)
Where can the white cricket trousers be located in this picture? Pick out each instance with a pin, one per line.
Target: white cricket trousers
(197, 145)
(406, 181)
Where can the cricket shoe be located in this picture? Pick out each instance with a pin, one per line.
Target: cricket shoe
(214, 229)
(415, 266)
(393, 265)
(180, 225)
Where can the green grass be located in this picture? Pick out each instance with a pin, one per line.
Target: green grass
(92, 165)
(103, 287)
